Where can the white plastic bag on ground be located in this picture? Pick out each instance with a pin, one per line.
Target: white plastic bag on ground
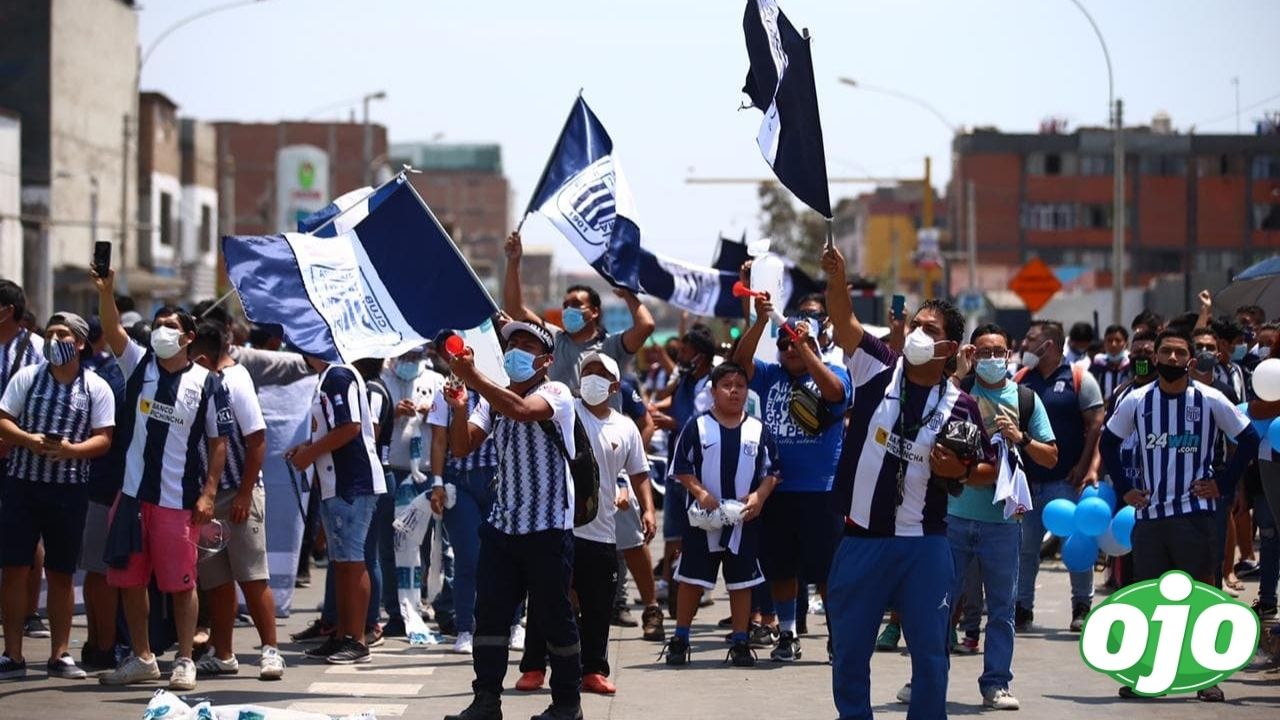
(167, 706)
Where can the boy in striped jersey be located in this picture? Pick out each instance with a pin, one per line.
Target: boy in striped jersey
(1178, 422)
(171, 406)
(1111, 367)
(240, 506)
(57, 416)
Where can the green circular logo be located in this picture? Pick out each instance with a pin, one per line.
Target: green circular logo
(1171, 635)
(306, 175)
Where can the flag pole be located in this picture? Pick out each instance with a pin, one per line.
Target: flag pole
(546, 167)
(830, 236)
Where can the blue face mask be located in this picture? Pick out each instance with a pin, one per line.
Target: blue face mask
(574, 319)
(519, 364)
(1237, 354)
(993, 370)
(1117, 358)
(59, 352)
(408, 370)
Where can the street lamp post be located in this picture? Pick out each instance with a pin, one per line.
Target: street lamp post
(368, 135)
(1116, 110)
(132, 120)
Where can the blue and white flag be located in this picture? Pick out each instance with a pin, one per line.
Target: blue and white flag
(378, 289)
(780, 83)
(584, 193)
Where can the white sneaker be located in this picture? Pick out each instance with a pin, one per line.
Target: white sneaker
(210, 665)
(904, 695)
(517, 638)
(183, 676)
(133, 670)
(271, 666)
(464, 643)
(999, 699)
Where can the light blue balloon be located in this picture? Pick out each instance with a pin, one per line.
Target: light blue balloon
(1108, 543)
(1104, 491)
(1092, 516)
(1273, 434)
(1079, 553)
(1122, 525)
(1262, 426)
(1059, 517)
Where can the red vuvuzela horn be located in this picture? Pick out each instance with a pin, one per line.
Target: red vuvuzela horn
(454, 345)
(741, 291)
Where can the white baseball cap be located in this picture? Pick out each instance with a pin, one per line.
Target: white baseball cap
(610, 365)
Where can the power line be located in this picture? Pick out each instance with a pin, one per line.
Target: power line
(1233, 113)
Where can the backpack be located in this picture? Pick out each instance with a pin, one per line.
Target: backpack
(1026, 402)
(1077, 376)
(582, 468)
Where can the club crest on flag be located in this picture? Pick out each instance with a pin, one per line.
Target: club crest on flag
(588, 202)
(353, 311)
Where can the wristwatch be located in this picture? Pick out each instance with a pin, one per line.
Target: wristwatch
(1025, 441)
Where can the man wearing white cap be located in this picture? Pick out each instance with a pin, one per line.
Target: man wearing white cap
(526, 545)
(619, 453)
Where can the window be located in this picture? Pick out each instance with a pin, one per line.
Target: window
(166, 219)
(1096, 164)
(1210, 261)
(1048, 216)
(1266, 167)
(1053, 164)
(1266, 216)
(1095, 216)
(206, 228)
(1220, 165)
(1163, 165)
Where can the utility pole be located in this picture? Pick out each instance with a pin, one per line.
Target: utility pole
(93, 209)
(122, 261)
(1117, 221)
(971, 231)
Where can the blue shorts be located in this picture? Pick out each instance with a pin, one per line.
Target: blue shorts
(801, 534)
(675, 511)
(699, 566)
(346, 525)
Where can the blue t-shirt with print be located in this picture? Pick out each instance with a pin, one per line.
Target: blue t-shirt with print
(808, 462)
(976, 503)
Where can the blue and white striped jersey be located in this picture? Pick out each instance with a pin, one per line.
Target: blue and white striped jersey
(34, 354)
(242, 397)
(485, 456)
(534, 492)
(41, 404)
(1176, 443)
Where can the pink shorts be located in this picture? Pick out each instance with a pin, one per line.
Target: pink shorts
(168, 549)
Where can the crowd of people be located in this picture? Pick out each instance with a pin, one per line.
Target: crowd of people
(903, 475)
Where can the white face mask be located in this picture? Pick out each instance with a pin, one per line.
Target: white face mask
(919, 347)
(166, 342)
(595, 389)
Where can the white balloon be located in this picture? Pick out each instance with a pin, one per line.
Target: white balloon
(1108, 544)
(1266, 380)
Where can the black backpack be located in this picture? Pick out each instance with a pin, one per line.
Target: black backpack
(582, 467)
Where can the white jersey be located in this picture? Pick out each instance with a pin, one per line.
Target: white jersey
(619, 452)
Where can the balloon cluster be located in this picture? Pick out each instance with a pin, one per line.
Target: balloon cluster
(1089, 526)
(1266, 385)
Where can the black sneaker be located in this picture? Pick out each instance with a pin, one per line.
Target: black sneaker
(1247, 568)
(351, 653)
(446, 624)
(302, 581)
(330, 646)
(374, 636)
(1078, 613)
(622, 618)
(1022, 618)
(65, 668)
(315, 632)
(676, 650)
(741, 655)
(788, 649)
(394, 628)
(485, 706)
(726, 623)
(560, 712)
(1264, 610)
(11, 669)
(765, 636)
(35, 627)
(802, 625)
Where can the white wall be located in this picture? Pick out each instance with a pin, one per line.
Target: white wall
(165, 255)
(204, 264)
(10, 198)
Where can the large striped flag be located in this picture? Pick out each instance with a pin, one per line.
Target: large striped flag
(381, 286)
(780, 83)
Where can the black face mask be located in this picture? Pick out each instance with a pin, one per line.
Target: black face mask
(1142, 366)
(1206, 360)
(689, 366)
(1171, 373)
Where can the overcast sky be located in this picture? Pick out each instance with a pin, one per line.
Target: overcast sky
(664, 77)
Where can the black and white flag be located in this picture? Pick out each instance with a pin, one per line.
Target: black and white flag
(780, 83)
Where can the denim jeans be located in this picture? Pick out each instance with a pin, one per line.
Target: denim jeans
(329, 611)
(1032, 533)
(996, 547)
(462, 522)
(385, 594)
(1268, 550)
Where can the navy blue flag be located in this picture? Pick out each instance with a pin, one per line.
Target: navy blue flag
(584, 193)
(780, 83)
(353, 295)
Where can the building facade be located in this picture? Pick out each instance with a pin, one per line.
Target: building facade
(69, 74)
(1194, 204)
